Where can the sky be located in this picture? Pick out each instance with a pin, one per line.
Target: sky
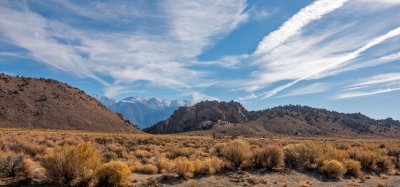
(340, 55)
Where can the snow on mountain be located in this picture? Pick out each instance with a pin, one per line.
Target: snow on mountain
(104, 100)
(141, 110)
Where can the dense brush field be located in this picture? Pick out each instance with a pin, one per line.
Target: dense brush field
(66, 158)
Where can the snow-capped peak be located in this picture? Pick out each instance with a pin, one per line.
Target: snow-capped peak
(136, 99)
(143, 111)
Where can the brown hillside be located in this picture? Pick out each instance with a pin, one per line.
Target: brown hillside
(45, 103)
(308, 121)
(284, 120)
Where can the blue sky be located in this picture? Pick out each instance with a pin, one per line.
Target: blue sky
(337, 54)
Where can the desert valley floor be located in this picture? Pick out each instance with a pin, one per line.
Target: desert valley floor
(200, 160)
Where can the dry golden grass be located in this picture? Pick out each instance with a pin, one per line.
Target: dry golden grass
(333, 169)
(33, 171)
(184, 167)
(149, 169)
(236, 152)
(380, 185)
(11, 164)
(353, 168)
(141, 154)
(114, 173)
(253, 180)
(269, 157)
(45, 156)
(208, 166)
(135, 166)
(164, 165)
(302, 155)
(174, 152)
(72, 165)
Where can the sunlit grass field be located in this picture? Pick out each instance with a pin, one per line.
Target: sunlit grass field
(74, 158)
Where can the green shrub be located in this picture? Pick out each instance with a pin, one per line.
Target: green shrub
(114, 173)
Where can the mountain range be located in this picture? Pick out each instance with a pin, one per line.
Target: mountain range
(49, 104)
(233, 119)
(141, 110)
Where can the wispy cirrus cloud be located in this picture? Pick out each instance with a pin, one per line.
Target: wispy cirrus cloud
(197, 97)
(142, 45)
(30, 31)
(377, 80)
(260, 14)
(297, 22)
(309, 89)
(11, 54)
(382, 83)
(104, 11)
(381, 60)
(306, 50)
(272, 61)
(128, 56)
(337, 61)
(366, 93)
(247, 98)
(382, 1)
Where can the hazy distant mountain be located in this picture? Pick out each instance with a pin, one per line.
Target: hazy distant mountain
(49, 104)
(104, 100)
(143, 111)
(232, 118)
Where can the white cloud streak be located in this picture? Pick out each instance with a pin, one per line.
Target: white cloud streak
(360, 94)
(247, 98)
(305, 47)
(378, 79)
(315, 52)
(272, 52)
(297, 22)
(339, 60)
(197, 97)
(309, 89)
(390, 2)
(373, 85)
(34, 33)
(365, 64)
(127, 57)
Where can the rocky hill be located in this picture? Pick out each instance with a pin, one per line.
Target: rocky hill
(285, 120)
(143, 111)
(201, 116)
(49, 104)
